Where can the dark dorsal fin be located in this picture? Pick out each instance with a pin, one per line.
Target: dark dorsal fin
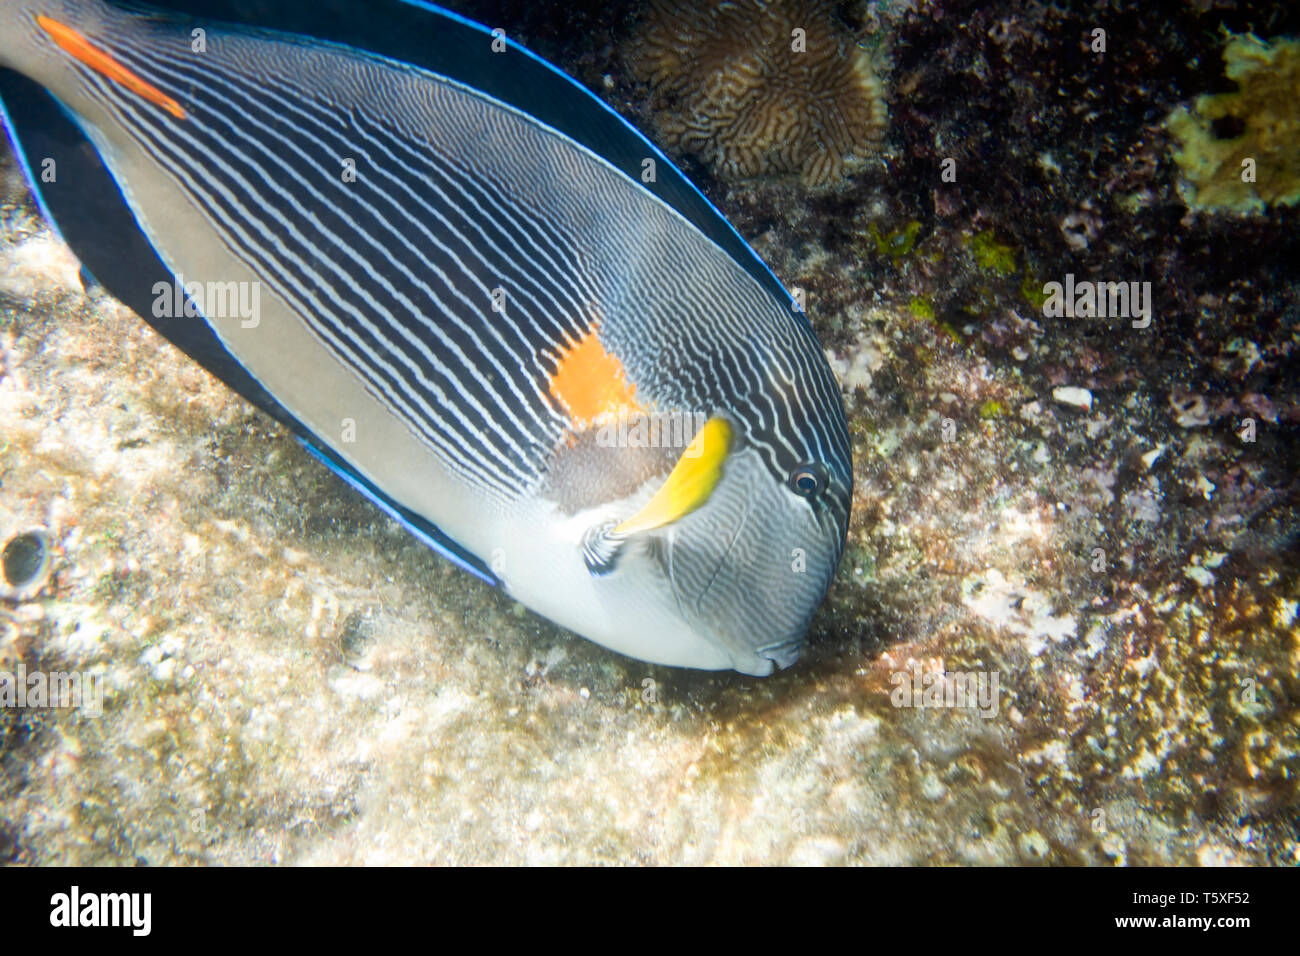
(85, 205)
(446, 43)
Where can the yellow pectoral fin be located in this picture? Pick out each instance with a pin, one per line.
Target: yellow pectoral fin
(691, 482)
(82, 50)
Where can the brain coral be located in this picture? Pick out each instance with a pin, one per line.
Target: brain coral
(1261, 121)
(760, 86)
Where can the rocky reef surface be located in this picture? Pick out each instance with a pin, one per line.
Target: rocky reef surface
(1092, 519)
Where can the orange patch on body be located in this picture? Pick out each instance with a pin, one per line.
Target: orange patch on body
(82, 50)
(591, 384)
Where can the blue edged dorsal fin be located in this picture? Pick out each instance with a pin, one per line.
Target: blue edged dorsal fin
(430, 37)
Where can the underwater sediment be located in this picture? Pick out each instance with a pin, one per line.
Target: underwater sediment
(1100, 516)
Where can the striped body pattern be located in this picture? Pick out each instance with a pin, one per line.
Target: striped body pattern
(458, 304)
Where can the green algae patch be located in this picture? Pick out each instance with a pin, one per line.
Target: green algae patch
(951, 332)
(992, 408)
(921, 308)
(1033, 292)
(991, 255)
(1239, 152)
(897, 243)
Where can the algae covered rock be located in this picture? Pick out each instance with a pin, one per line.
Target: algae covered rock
(1240, 151)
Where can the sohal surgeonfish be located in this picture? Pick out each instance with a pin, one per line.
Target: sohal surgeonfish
(469, 288)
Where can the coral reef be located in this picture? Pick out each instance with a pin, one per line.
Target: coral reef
(1258, 123)
(761, 86)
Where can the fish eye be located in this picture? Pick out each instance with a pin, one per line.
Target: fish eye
(808, 481)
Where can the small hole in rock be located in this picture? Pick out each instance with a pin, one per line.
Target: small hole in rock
(1228, 127)
(24, 559)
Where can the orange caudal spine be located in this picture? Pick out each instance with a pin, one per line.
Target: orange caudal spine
(82, 50)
